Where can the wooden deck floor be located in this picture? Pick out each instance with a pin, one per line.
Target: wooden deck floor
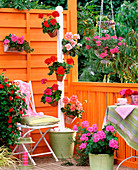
(47, 163)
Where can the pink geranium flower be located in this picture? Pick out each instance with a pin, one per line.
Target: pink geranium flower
(75, 128)
(83, 145)
(88, 47)
(120, 43)
(122, 92)
(72, 107)
(73, 98)
(120, 38)
(113, 144)
(98, 44)
(85, 123)
(79, 44)
(6, 41)
(110, 128)
(102, 55)
(48, 92)
(43, 81)
(87, 38)
(112, 51)
(116, 50)
(14, 38)
(77, 36)
(69, 35)
(114, 37)
(73, 43)
(66, 100)
(48, 99)
(20, 40)
(68, 46)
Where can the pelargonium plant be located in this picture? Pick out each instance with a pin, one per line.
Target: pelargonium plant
(107, 47)
(51, 94)
(70, 45)
(127, 92)
(50, 25)
(60, 68)
(12, 108)
(17, 43)
(72, 106)
(90, 140)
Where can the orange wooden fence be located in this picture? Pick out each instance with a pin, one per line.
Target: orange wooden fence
(99, 96)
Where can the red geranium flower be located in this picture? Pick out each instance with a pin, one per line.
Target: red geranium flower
(5, 79)
(46, 24)
(11, 110)
(135, 93)
(20, 112)
(48, 14)
(53, 58)
(41, 15)
(70, 61)
(12, 92)
(10, 126)
(17, 97)
(10, 119)
(10, 98)
(48, 61)
(23, 99)
(128, 92)
(7, 85)
(55, 14)
(55, 87)
(53, 21)
(1, 86)
(60, 70)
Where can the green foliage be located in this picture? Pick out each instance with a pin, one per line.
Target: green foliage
(12, 105)
(22, 4)
(126, 18)
(18, 46)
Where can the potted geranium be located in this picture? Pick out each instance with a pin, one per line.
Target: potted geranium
(132, 96)
(12, 43)
(72, 109)
(50, 25)
(12, 108)
(99, 145)
(60, 68)
(70, 45)
(51, 95)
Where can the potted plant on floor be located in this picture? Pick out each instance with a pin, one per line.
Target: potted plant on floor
(99, 145)
(12, 43)
(60, 68)
(51, 94)
(50, 25)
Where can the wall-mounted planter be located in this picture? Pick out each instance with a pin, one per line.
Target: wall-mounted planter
(53, 34)
(7, 49)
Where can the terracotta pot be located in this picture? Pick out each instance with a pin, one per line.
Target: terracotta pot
(54, 104)
(59, 78)
(53, 34)
(70, 119)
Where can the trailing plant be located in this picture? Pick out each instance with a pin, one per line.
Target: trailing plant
(12, 105)
(17, 43)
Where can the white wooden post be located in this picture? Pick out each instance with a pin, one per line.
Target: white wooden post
(60, 58)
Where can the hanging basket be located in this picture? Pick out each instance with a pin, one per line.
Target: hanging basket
(105, 24)
(54, 104)
(53, 34)
(70, 119)
(59, 78)
(106, 60)
(7, 49)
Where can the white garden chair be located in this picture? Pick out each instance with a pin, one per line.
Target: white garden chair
(27, 89)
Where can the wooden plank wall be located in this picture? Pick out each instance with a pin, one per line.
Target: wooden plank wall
(23, 66)
(99, 96)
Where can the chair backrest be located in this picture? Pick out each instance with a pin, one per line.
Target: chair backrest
(26, 88)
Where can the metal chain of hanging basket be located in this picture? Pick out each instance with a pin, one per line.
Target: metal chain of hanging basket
(106, 24)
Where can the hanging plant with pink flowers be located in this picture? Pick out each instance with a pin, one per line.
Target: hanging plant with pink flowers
(70, 45)
(13, 43)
